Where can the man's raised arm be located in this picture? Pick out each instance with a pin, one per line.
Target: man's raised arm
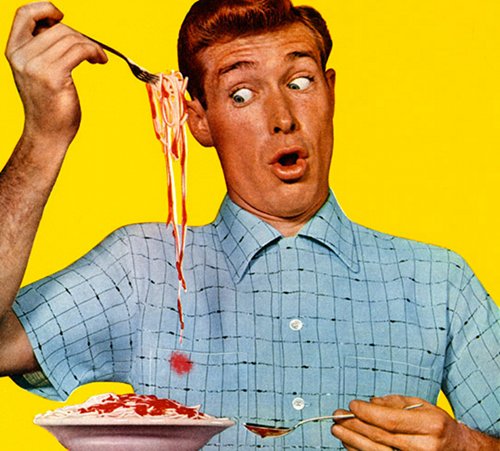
(42, 53)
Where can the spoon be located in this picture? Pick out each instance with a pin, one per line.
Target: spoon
(278, 431)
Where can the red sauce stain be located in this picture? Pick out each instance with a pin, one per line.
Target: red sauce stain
(180, 363)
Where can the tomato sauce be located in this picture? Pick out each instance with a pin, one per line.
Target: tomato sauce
(169, 113)
(142, 405)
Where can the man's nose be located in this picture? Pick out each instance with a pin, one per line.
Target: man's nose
(282, 118)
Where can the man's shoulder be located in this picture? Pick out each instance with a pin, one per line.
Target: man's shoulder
(370, 242)
(159, 233)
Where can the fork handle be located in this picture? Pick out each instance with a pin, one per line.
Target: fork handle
(105, 47)
(346, 416)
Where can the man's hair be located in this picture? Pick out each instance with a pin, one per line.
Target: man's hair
(212, 22)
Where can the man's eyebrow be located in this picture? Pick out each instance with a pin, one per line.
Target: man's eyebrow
(238, 65)
(301, 54)
(251, 64)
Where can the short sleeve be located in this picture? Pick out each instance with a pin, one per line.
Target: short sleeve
(472, 367)
(80, 321)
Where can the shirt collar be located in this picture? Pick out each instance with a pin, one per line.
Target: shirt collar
(242, 235)
(332, 228)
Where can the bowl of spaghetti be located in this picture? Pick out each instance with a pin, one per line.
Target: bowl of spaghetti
(131, 422)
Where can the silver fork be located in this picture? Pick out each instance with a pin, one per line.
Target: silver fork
(141, 73)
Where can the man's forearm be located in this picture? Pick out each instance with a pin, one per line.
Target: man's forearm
(25, 186)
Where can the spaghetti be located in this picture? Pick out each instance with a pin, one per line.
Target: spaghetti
(110, 405)
(169, 111)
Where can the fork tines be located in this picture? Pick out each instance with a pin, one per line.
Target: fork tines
(143, 74)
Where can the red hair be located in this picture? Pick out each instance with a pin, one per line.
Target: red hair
(214, 21)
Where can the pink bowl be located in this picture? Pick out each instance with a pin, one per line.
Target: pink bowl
(117, 434)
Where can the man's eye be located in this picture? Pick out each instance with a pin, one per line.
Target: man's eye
(241, 96)
(300, 83)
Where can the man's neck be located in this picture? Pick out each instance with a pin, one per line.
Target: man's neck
(286, 225)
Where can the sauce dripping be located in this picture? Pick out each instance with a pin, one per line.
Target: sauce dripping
(169, 112)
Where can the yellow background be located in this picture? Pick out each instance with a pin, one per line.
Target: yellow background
(416, 152)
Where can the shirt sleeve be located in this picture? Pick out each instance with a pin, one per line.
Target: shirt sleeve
(472, 366)
(80, 321)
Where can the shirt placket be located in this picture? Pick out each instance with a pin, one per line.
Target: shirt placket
(292, 326)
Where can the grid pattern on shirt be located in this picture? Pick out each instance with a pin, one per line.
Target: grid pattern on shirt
(377, 313)
(83, 330)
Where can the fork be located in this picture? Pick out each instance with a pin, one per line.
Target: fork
(141, 73)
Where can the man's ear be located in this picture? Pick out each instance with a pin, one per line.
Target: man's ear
(198, 123)
(330, 80)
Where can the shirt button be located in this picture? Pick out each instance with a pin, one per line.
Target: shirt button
(298, 403)
(296, 324)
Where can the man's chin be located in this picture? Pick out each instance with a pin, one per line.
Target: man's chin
(285, 199)
(295, 198)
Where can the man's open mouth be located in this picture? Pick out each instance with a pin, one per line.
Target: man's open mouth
(289, 164)
(288, 159)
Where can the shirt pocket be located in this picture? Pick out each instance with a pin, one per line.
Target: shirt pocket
(364, 378)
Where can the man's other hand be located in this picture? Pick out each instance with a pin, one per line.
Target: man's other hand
(42, 53)
(384, 425)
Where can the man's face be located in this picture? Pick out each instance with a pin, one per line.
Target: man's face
(269, 115)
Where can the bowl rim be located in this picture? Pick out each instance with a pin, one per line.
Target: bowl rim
(144, 421)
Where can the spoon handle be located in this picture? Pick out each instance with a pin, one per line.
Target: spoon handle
(344, 416)
(327, 417)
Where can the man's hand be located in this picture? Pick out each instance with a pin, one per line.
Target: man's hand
(42, 58)
(383, 425)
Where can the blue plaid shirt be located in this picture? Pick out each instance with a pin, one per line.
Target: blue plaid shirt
(277, 328)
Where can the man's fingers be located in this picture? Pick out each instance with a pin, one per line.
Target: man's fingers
(69, 48)
(374, 433)
(341, 412)
(397, 401)
(354, 440)
(43, 25)
(393, 419)
(25, 22)
(385, 421)
(52, 69)
(86, 51)
(44, 41)
(356, 433)
(60, 48)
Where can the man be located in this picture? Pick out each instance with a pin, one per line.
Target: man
(292, 310)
